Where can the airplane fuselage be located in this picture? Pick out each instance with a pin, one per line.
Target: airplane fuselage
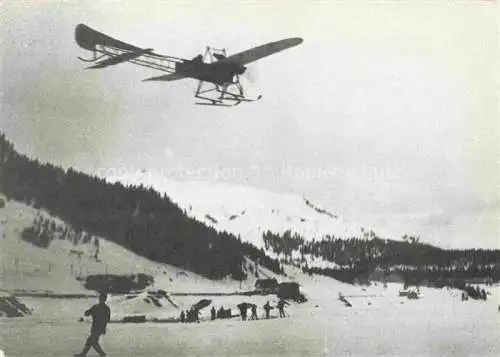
(217, 72)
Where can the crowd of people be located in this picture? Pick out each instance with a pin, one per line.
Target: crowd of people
(243, 307)
(220, 314)
(193, 314)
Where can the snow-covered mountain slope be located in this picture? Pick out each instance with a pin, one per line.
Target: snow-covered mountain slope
(248, 211)
(55, 269)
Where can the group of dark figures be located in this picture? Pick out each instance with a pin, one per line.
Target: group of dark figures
(220, 314)
(267, 308)
(474, 293)
(244, 310)
(193, 315)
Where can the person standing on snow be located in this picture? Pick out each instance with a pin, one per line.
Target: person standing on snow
(243, 310)
(267, 308)
(281, 307)
(212, 313)
(254, 313)
(100, 314)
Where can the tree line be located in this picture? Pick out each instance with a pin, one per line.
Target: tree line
(359, 257)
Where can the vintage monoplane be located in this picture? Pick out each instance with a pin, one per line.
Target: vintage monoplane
(217, 70)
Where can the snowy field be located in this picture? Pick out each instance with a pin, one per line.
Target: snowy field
(378, 324)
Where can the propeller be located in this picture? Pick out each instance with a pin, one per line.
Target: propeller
(251, 74)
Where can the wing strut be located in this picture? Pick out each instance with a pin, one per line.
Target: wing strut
(108, 51)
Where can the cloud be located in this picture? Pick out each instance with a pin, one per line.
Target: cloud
(64, 117)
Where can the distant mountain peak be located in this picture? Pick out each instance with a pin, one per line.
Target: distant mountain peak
(248, 211)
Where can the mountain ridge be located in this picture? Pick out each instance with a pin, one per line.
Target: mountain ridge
(150, 223)
(248, 212)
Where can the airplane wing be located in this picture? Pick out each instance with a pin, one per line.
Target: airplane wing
(89, 39)
(167, 77)
(259, 52)
(113, 51)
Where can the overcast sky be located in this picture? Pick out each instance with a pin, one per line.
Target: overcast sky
(387, 113)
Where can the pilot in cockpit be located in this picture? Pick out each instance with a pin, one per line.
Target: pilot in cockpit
(198, 60)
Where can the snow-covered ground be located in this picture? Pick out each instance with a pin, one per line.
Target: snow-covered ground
(378, 324)
(26, 267)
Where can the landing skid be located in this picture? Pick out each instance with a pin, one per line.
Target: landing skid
(222, 95)
(224, 98)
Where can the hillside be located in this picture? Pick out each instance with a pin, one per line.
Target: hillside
(137, 218)
(298, 232)
(249, 212)
(57, 267)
